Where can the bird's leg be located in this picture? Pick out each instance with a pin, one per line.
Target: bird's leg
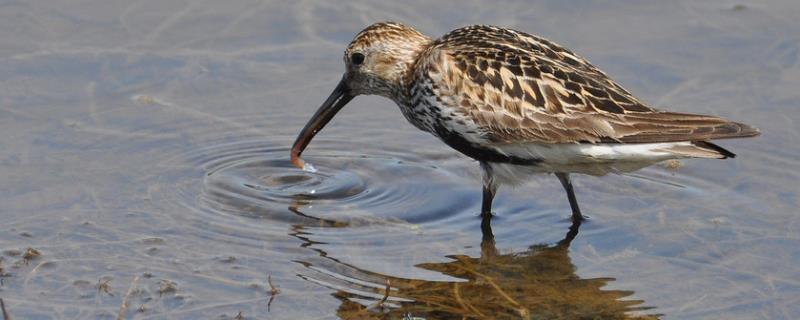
(488, 196)
(488, 249)
(577, 217)
(489, 189)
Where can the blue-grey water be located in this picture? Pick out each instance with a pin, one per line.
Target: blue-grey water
(144, 157)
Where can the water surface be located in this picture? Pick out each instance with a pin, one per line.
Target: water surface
(145, 158)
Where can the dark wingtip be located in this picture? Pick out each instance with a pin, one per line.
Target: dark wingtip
(708, 145)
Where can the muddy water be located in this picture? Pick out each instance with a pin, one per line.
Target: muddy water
(145, 160)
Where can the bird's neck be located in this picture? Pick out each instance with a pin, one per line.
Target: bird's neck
(400, 67)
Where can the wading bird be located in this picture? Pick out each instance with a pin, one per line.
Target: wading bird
(518, 104)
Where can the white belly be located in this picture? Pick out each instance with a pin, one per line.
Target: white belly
(592, 153)
(593, 159)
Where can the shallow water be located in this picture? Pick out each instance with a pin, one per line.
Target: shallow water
(145, 158)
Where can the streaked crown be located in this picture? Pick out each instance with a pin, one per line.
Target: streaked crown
(380, 58)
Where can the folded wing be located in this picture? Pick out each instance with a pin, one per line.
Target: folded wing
(519, 88)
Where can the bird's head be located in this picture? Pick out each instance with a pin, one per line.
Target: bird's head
(380, 58)
(379, 61)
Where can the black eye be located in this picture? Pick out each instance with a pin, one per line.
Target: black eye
(357, 58)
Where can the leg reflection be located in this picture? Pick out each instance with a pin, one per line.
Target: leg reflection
(488, 247)
(538, 282)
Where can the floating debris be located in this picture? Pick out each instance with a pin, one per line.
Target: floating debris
(29, 255)
(104, 285)
(739, 7)
(166, 286)
(3, 273)
(273, 292)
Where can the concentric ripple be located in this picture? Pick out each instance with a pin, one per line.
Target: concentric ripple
(247, 179)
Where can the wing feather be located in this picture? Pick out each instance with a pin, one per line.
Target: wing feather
(517, 87)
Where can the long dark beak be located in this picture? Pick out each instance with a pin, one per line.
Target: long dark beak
(338, 98)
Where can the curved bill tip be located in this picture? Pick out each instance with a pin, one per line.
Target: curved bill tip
(337, 99)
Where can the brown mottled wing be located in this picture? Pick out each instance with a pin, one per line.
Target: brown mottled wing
(518, 87)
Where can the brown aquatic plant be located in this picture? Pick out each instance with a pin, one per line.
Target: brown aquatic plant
(273, 292)
(3, 273)
(380, 303)
(166, 286)
(29, 255)
(104, 285)
(125, 300)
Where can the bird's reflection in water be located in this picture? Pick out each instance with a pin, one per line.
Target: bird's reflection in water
(539, 283)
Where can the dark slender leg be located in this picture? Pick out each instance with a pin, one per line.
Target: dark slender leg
(488, 196)
(577, 217)
(488, 248)
(489, 189)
